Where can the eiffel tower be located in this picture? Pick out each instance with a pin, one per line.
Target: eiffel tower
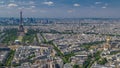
(21, 27)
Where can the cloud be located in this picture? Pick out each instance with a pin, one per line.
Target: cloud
(104, 7)
(26, 3)
(76, 5)
(12, 5)
(98, 3)
(48, 3)
(32, 6)
(27, 8)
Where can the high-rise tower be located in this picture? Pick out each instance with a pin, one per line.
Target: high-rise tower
(21, 28)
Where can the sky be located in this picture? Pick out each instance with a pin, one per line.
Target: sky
(60, 8)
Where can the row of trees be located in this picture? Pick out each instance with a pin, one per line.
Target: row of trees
(10, 36)
(29, 36)
(94, 58)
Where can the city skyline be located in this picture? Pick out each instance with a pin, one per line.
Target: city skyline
(60, 8)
